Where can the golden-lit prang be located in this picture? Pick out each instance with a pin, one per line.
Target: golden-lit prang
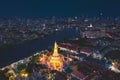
(54, 61)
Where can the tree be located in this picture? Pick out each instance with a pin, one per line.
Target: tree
(21, 67)
(53, 71)
(69, 71)
(11, 78)
(3, 74)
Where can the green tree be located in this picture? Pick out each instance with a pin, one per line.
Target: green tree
(69, 71)
(21, 67)
(3, 75)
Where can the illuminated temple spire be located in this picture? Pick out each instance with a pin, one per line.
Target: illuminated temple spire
(55, 53)
(54, 61)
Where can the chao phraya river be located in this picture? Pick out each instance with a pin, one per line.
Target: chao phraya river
(26, 49)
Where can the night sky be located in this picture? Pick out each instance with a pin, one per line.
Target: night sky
(37, 8)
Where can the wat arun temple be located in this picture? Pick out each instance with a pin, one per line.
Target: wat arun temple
(54, 61)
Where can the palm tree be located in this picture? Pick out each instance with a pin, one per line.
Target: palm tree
(53, 72)
(69, 71)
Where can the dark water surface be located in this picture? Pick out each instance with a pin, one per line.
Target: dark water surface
(24, 50)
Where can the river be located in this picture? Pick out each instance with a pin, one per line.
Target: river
(21, 51)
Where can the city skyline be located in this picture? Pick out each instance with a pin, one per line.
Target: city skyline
(38, 8)
(59, 40)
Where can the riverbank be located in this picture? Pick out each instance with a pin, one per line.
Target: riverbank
(26, 49)
(11, 45)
